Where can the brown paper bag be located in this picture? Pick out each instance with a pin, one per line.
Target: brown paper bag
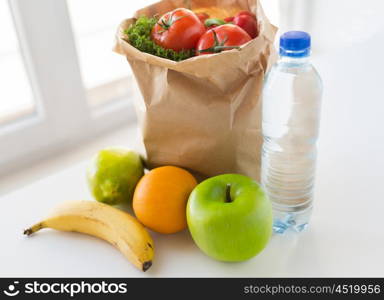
(203, 113)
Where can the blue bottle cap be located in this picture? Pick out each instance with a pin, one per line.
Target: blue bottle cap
(295, 44)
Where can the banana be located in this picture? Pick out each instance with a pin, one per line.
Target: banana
(106, 222)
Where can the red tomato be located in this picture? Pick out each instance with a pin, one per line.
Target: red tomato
(202, 16)
(246, 13)
(221, 38)
(248, 23)
(179, 29)
(229, 19)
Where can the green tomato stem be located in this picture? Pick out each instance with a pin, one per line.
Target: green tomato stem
(210, 22)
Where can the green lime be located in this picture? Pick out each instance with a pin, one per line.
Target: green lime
(113, 175)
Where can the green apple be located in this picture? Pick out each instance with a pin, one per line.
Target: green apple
(114, 174)
(229, 217)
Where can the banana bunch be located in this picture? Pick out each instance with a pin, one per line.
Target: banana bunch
(105, 222)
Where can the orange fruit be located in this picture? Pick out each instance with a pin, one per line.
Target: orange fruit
(160, 198)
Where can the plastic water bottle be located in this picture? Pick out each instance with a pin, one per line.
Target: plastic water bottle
(291, 114)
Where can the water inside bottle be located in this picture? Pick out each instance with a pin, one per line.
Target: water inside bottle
(291, 115)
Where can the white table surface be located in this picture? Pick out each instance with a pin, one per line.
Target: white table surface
(346, 234)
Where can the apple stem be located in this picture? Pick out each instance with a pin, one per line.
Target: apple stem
(228, 198)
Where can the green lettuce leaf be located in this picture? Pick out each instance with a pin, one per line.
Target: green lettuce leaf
(139, 36)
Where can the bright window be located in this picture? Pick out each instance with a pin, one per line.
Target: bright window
(106, 76)
(15, 92)
(67, 51)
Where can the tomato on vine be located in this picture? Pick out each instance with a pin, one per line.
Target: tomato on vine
(179, 30)
(221, 38)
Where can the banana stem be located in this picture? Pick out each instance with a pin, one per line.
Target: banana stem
(146, 265)
(34, 228)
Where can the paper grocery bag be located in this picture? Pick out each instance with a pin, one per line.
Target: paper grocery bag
(203, 113)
